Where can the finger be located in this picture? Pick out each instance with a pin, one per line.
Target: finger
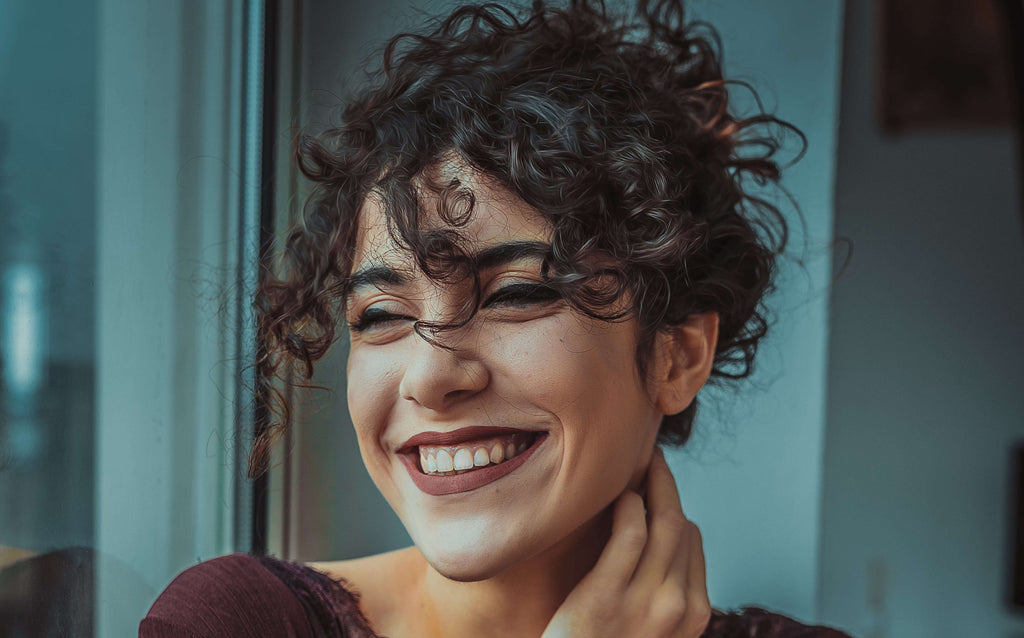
(619, 558)
(667, 528)
(661, 484)
(681, 604)
(698, 606)
(676, 606)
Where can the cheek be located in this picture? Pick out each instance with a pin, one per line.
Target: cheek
(535, 365)
(372, 390)
(582, 374)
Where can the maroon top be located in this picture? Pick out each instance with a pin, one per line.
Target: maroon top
(241, 596)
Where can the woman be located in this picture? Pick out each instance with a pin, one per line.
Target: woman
(538, 231)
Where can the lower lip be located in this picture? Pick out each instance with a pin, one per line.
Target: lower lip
(457, 483)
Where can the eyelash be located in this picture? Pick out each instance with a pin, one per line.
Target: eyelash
(514, 295)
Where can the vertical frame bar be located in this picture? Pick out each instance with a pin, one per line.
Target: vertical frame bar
(247, 275)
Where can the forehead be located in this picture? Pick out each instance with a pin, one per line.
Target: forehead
(498, 216)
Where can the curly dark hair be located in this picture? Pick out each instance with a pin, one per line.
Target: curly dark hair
(617, 129)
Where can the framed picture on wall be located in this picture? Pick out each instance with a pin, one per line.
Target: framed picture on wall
(943, 64)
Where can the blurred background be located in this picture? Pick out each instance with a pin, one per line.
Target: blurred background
(869, 476)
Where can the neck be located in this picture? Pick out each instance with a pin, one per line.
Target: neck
(519, 601)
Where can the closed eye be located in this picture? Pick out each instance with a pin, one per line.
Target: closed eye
(376, 317)
(522, 295)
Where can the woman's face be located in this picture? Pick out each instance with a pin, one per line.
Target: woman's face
(557, 392)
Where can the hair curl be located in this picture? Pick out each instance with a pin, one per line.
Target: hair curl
(618, 130)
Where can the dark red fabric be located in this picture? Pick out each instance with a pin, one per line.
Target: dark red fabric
(753, 622)
(231, 596)
(240, 596)
(332, 609)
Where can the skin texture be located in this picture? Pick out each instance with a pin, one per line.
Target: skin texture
(517, 557)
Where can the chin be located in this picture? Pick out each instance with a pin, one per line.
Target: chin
(471, 559)
(467, 565)
(470, 547)
(461, 575)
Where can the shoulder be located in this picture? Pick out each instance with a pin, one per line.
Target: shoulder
(369, 571)
(383, 582)
(243, 595)
(760, 623)
(227, 596)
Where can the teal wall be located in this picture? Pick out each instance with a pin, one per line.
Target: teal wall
(925, 377)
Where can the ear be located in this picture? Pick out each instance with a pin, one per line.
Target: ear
(684, 355)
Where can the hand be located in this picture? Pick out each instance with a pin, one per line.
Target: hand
(649, 580)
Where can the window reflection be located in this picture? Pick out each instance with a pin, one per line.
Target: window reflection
(23, 340)
(47, 325)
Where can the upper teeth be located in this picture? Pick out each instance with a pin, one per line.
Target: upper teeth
(452, 459)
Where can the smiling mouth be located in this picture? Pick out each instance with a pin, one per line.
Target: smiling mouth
(467, 459)
(448, 460)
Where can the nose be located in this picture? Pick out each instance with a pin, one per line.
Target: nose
(437, 377)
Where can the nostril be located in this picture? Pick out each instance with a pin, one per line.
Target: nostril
(454, 394)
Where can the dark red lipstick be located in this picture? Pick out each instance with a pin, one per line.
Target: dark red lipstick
(437, 485)
(455, 437)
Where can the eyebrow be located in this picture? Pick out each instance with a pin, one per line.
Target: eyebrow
(490, 257)
(375, 276)
(507, 252)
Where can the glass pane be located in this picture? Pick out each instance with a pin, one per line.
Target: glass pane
(121, 310)
(47, 314)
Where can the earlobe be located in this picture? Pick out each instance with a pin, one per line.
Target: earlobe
(686, 355)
